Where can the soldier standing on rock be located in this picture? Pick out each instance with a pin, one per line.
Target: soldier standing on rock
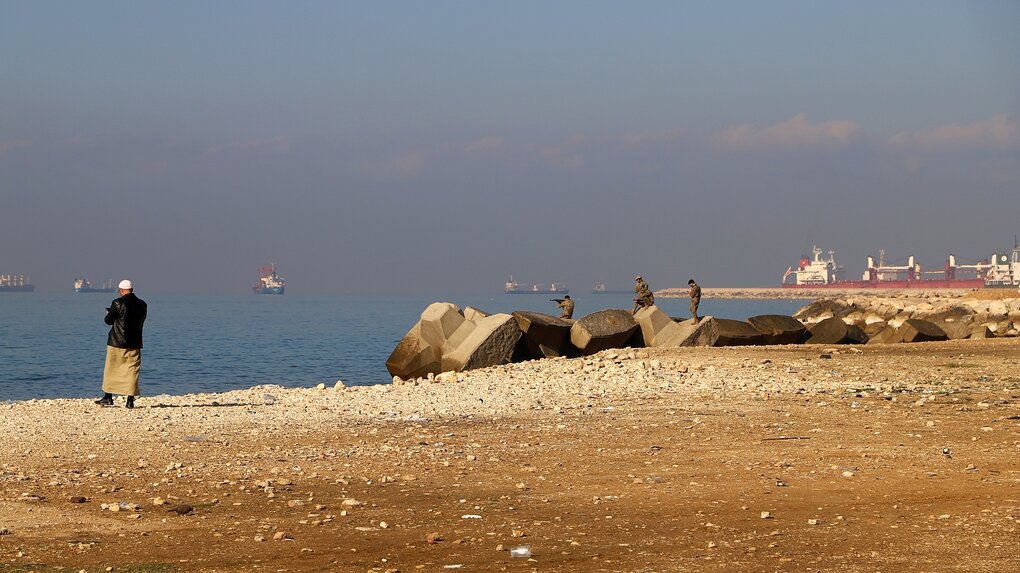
(695, 299)
(642, 295)
(567, 307)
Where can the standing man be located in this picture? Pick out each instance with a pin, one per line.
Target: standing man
(125, 316)
(567, 307)
(695, 299)
(642, 295)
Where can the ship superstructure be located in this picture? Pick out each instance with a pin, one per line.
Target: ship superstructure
(512, 287)
(600, 288)
(16, 283)
(1001, 270)
(83, 285)
(269, 281)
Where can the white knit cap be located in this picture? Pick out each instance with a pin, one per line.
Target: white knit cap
(126, 285)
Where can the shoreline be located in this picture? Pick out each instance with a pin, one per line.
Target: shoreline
(657, 459)
(777, 293)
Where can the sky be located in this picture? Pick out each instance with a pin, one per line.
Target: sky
(440, 147)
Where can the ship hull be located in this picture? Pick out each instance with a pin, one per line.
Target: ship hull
(90, 290)
(904, 284)
(561, 291)
(269, 290)
(19, 288)
(610, 291)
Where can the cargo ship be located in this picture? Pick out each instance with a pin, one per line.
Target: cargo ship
(600, 288)
(269, 281)
(83, 285)
(1000, 270)
(15, 283)
(512, 287)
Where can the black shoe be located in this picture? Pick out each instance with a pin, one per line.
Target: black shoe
(130, 402)
(105, 401)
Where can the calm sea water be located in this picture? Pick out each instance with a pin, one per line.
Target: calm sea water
(53, 345)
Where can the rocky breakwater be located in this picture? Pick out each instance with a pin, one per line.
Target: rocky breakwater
(910, 318)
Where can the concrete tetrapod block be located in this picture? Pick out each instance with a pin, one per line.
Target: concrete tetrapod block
(657, 328)
(956, 330)
(414, 357)
(439, 321)
(737, 333)
(610, 328)
(490, 343)
(888, 335)
(829, 331)
(543, 335)
(472, 313)
(778, 329)
(916, 330)
(705, 332)
(855, 335)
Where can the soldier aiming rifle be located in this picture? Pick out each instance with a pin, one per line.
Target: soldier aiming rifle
(566, 305)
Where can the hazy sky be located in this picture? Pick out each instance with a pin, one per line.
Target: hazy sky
(438, 147)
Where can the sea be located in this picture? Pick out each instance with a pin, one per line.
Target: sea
(52, 345)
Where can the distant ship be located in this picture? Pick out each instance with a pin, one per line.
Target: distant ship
(554, 288)
(269, 281)
(600, 288)
(15, 283)
(1002, 270)
(82, 284)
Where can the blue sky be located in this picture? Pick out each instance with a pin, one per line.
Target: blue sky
(440, 146)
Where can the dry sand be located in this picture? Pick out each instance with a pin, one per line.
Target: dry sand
(891, 458)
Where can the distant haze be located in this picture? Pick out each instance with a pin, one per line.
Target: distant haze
(439, 147)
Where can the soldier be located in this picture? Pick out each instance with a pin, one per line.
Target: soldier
(695, 299)
(567, 307)
(642, 294)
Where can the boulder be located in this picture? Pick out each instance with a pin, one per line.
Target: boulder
(888, 335)
(873, 328)
(823, 308)
(828, 331)
(657, 328)
(543, 335)
(414, 357)
(956, 330)
(491, 342)
(702, 333)
(737, 333)
(980, 332)
(917, 330)
(855, 335)
(601, 330)
(778, 329)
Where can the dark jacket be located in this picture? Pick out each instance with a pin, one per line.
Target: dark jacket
(126, 315)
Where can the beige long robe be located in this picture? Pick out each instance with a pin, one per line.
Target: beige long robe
(121, 373)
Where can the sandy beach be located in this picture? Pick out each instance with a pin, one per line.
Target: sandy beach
(890, 458)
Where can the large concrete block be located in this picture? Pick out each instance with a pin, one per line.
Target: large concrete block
(439, 321)
(414, 357)
(778, 329)
(916, 330)
(601, 330)
(657, 328)
(543, 335)
(705, 332)
(855, 335)
(828, 331)
(888, 335)
(956, 330)
(737, 333)
(491, 342)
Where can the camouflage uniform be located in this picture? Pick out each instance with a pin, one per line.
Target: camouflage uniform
(643, 295)
(568, 308)
(695, 299)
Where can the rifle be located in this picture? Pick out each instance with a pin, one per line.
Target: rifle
(556, 300)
